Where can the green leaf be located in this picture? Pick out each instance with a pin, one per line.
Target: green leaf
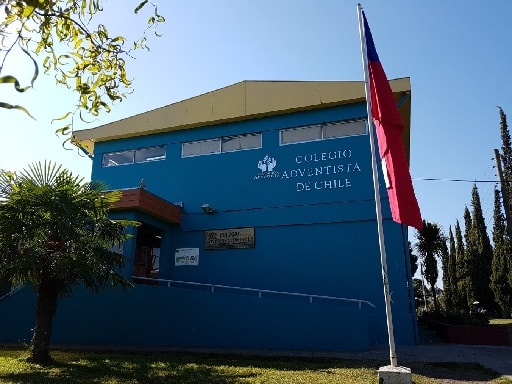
(8, 79)
(159, 18)
(64, 130)
(46, 64)
(62, 117)
(28, 11)
(36, 67)
(18, 107)
(140, 6)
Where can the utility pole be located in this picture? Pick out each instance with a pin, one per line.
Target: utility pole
(504, 193)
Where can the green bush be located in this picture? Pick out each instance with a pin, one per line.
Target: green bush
(453, 318)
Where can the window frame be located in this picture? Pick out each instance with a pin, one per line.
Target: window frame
(221, 149)
(105, 162)
(150, 159)
(323, 127)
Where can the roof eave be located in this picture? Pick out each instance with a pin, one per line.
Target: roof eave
(240, 101)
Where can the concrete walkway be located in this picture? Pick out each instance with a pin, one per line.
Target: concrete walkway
(433, 349)
(498, 359)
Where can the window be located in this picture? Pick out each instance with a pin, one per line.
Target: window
(134, 156)
(344, 128)
(118, 158)
(203, 147)
(149, 154)
(295, 135)
(323, 131)
(237, 143)
(221, 145)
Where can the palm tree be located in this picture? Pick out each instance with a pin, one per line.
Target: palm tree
(55, 234)
(430, 245)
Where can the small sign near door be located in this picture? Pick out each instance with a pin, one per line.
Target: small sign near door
(186, 256)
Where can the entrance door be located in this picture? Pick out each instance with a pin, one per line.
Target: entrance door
(147, 252)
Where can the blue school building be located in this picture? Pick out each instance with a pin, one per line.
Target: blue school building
(258, 226)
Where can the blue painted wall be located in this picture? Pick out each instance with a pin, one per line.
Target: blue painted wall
(309, 238)
(156, 316)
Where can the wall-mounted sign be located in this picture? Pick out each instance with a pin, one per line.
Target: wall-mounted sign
(229, 238)
(314, 171)
(186, 256)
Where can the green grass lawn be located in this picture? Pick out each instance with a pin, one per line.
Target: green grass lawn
(187, 368)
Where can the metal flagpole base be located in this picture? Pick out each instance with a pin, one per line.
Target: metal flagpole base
(394, 375)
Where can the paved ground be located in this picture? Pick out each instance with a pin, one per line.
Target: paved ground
(434, 349)
(496, 358)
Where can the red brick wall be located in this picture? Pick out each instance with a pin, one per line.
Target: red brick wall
(475, 334)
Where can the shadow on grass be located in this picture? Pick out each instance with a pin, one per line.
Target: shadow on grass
(188, 368)
(91, 367)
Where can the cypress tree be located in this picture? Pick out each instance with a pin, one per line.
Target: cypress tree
(460, 296)
(447, 287)
(450, 274)
(500, 263)
(506, 159)
(506, 154)
(463, 264)
(479, 256)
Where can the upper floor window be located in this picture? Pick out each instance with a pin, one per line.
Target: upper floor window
(131, 156)
(202, 147)
(222, 144)
(323, 131)
(150, 154)
(118, 158)
(237, 143)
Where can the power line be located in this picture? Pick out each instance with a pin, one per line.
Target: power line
(457, 180)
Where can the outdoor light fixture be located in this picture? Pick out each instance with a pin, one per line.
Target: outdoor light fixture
(207, 209)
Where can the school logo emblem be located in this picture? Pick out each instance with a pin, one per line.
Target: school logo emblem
(266, 167)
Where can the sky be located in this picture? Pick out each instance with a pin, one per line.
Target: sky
(457, 54)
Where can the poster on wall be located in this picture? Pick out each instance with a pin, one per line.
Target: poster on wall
(186, 256)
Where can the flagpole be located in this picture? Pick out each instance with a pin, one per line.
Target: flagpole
(378, 208)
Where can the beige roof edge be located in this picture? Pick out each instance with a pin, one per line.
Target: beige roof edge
(240, 101)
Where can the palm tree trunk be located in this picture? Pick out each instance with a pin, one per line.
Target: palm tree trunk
(47, 297)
